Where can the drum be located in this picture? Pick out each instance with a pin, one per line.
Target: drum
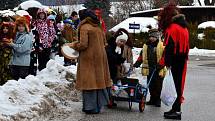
(69, 52)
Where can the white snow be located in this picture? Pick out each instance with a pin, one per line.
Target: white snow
(24, 95)
(143, 21)
(22, 13)
(202, 52)
(30, 4)
(193, 51)
(6, 13)
(207, 24)
(201, 36)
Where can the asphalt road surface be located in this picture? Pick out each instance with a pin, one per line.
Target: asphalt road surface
(199, 96)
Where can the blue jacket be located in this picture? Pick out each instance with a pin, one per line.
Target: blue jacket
(22, 47)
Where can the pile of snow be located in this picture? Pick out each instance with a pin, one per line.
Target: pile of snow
(202, 52)
(201, 36)
(207, 24)
(143, 21)
(33, 96)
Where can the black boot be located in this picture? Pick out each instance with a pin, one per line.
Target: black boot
(173, 115)
(168, 112)
(158, 103)
(95, 111)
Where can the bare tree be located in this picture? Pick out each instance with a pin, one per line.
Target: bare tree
(159, 3)
(124, 8)
(199, 2)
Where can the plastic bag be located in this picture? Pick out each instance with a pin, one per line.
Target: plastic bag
(168, 92)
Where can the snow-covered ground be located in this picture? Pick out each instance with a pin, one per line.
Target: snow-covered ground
(51, 91)
(34, 96)
(202, 52)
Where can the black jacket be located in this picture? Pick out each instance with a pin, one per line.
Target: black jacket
(114, 59)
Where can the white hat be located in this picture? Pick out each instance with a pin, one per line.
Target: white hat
(124, 37)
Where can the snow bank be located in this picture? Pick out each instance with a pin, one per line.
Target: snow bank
(34, 96)
(202, 52)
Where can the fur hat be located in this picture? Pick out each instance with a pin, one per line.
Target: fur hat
(154, 33)
(123, 36)
(21, 21)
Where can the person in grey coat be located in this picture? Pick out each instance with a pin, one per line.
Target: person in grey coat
(21, 49)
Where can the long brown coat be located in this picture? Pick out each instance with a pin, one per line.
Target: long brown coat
(93, 71)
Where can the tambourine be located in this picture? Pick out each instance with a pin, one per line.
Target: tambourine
(69, 52)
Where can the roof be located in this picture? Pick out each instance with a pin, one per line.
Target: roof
(194, 14)
(207, 24)
(182, 7)
(143, 21)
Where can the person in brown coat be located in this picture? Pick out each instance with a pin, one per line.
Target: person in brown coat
(93, 76)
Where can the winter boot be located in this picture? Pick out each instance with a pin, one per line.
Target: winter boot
(172, 115)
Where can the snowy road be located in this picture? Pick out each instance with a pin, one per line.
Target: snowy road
(198, 106)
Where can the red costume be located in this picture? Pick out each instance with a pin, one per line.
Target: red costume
(176, 55)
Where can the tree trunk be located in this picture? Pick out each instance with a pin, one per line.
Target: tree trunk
(199, 2)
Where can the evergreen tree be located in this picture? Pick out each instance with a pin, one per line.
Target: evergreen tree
(9, 4)
(104, 5)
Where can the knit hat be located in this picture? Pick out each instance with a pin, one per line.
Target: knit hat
(123, 36)
(51, 17)
(154, 33)
(67, 21)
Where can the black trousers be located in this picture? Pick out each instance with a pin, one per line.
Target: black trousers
(19, 71)
(177, 73)
(43, 58)
(155, 86)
